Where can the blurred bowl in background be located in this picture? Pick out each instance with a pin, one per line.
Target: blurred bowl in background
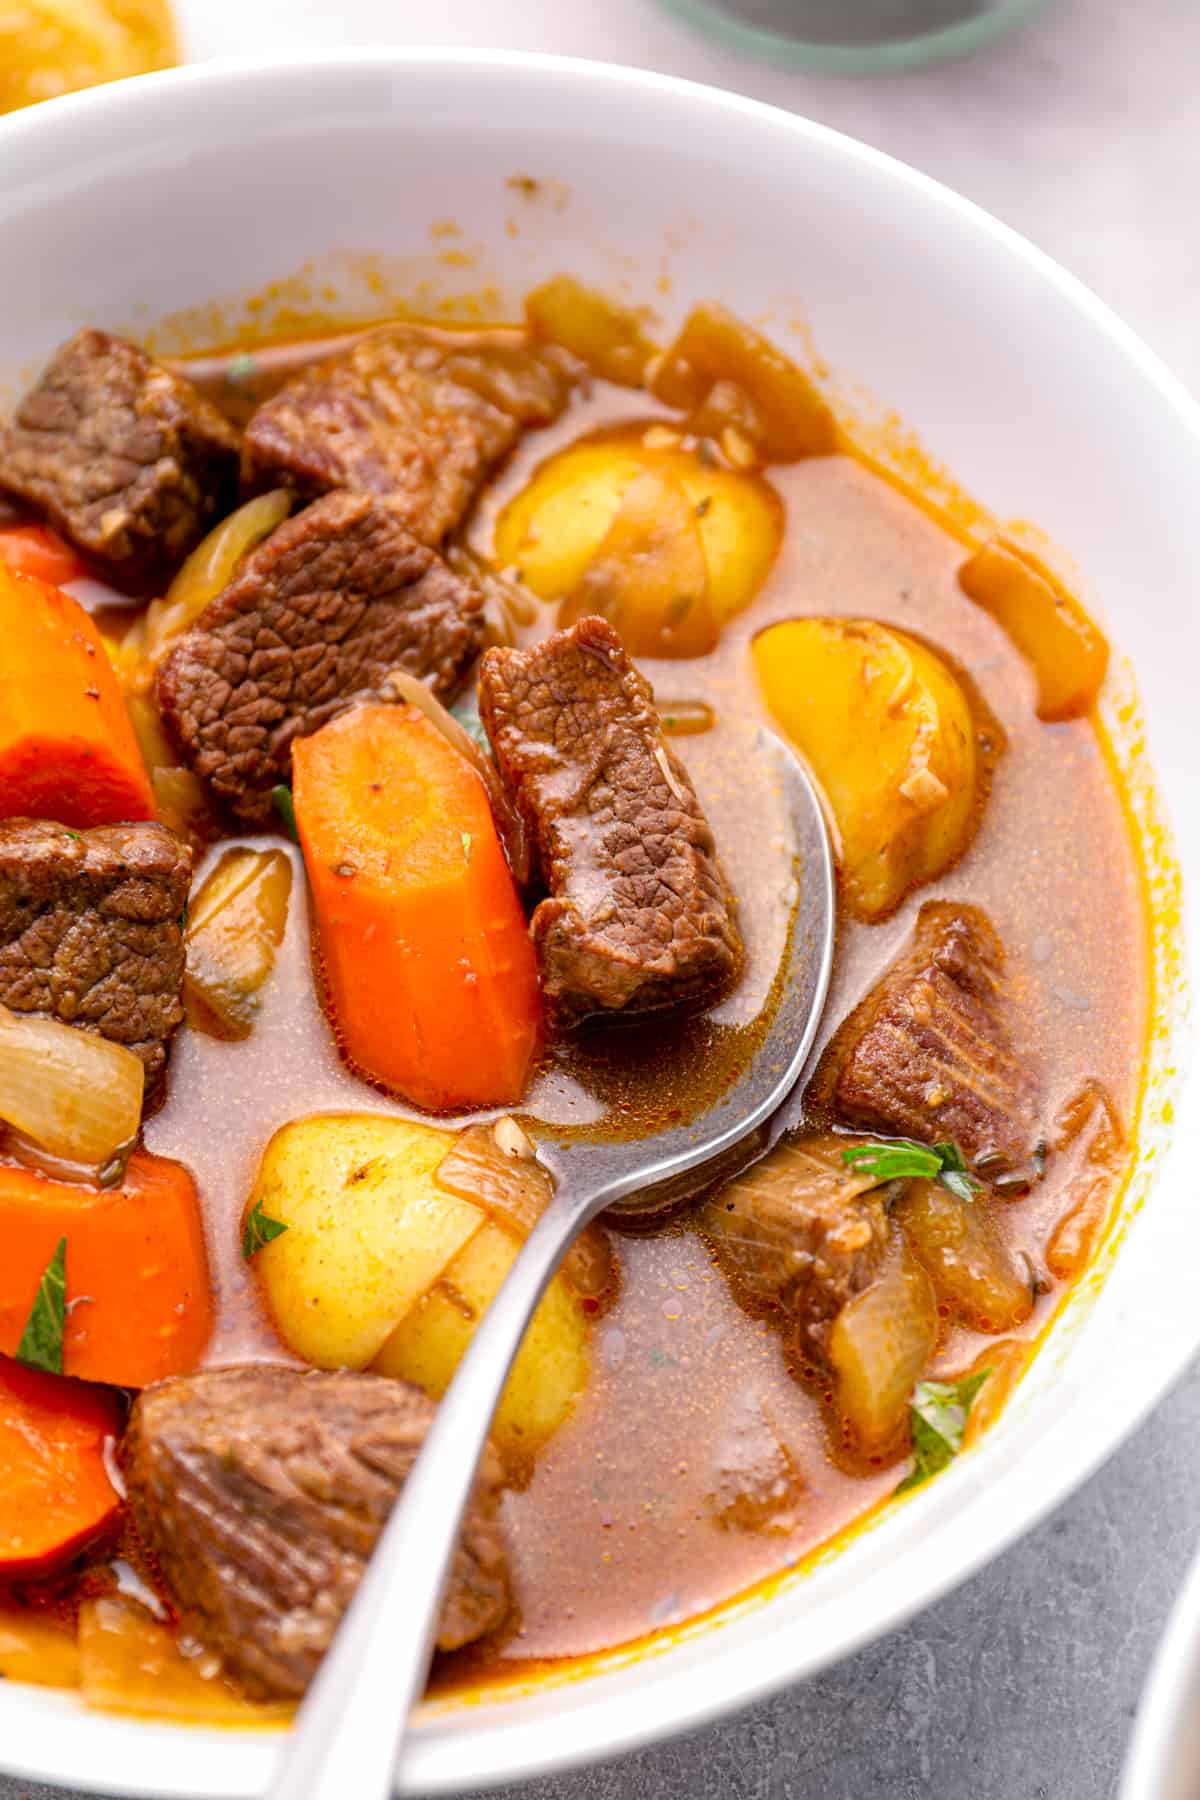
(1164, 1756)
(856, 37)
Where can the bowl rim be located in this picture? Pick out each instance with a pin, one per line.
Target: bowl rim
(1170, 1698)
(601, 1723)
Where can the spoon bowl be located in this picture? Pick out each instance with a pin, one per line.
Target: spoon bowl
(350, 1729)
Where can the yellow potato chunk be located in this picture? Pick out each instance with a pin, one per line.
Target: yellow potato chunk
(50, 47)
(369, 1231)
(551, 1365)
(889, 734)
(557, 526)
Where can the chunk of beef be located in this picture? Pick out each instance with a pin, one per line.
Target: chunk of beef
(639, 914)
(801, 1233)
(260, 1493)
(314, 620)
(90, 930)
(413, 415)
(928, 1053)
(125, 458)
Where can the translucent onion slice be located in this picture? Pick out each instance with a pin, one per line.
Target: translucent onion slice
(77, 1095)
(508, 821)
(879, 1348)
(495, 1166)
(235, 927)
(208, 570)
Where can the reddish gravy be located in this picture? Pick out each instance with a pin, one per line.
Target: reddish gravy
(616, 1533)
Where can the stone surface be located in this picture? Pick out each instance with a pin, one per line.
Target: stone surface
(1082, 132)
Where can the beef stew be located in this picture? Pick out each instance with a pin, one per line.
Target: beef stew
(420, 940)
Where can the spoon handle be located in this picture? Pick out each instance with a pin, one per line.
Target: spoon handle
(349, 1732)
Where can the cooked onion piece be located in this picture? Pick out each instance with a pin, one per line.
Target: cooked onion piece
(208, 570)
(878, 1349)
(74, 1093)
(964, 1254)
(235, 927)
(495, 1166)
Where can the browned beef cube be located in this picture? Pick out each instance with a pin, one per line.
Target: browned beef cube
(639, 914)
(260, 1493)
(801, 1233)
(928, 1053)
(314, 620)
(124, 458)
(90, 929)
(413, 415)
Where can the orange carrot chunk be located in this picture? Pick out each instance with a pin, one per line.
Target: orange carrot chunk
(37, 550)
(55, 1495)
(428, 964)
(139, 1304)
(67, 749)
(1046, 623)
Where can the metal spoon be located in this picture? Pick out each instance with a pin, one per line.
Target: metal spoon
(351, 1727)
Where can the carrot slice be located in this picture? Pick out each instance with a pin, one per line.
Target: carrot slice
(37, 550)
(56, 1495)
(67, 749)
(428, 963)
(138, 1295)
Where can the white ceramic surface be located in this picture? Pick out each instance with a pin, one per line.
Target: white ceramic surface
(125, 204)
(1164, 1755)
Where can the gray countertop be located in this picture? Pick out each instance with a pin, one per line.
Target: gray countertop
(1083, 132)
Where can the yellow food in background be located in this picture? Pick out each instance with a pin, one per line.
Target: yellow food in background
(551, 1366)
(50, 47)
(555, 528)
(889, 734)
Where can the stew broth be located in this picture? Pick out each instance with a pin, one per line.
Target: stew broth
(621, 1526)
(615, 1534)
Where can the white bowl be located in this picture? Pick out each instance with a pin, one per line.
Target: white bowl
(1164, 1756)
(126, 204)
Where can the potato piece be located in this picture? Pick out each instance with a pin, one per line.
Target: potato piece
(37, 1649)
(604, 335)
(890, 737)
(879, 1347)
(368, 1231)
(551, 1365)
(129, 1662)
(649, 577)
(235, 926)
(729, 377)
(556, 525)
(957, 1244)
(1045, 622)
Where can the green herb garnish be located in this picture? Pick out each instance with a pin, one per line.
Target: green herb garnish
(940, 1410)
(41, 1345)
(281, 800)
(901, 1159)
(466, 844)
(259, 1230)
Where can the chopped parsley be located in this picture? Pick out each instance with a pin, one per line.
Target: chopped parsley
(466, 844)
(281, 800)
(467, 714)
(901, 1159)
(940, 1410)
(41, 1345)
(259, 1230)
